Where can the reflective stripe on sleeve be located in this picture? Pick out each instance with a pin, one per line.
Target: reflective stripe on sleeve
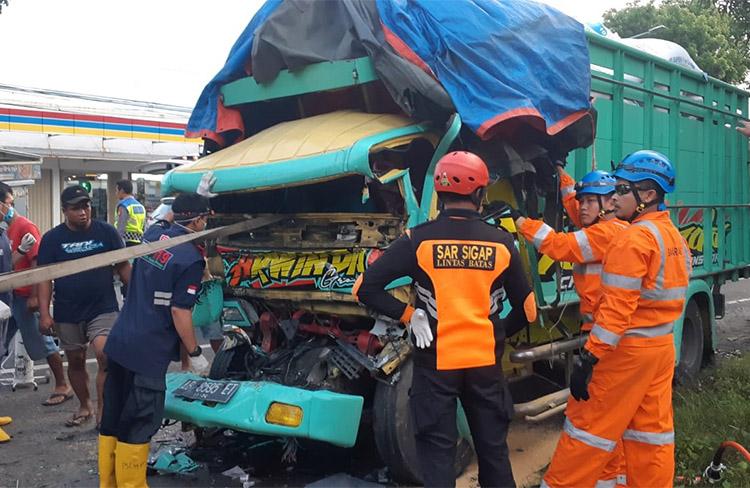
(611, 483)
(621, 281)
(567, 190)
(665, 294)
(588, 269)
(653, 438)
(655, 331)
(588, 438)
(583, 243)
(426, 297)
(541, 235)
(604, 335)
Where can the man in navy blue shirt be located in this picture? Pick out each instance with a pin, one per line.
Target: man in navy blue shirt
(85, 306)
(156, 318)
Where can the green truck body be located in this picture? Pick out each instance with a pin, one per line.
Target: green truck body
(642, 102)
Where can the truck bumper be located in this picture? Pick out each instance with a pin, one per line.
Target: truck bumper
(326, 416)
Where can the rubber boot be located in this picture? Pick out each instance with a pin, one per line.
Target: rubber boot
(131, 461)
(4, 437)
(107, 446)
(5, 421)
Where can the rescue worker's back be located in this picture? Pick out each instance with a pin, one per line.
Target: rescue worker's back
(462, 269)
(459, 282)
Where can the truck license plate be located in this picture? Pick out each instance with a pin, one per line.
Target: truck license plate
(208, 390)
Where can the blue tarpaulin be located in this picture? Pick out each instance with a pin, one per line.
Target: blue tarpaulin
(495, 59)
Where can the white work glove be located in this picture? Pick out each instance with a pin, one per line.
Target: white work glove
(419, 326)
(27, 242)
(199, 365)
(4, 311)
(205, 185)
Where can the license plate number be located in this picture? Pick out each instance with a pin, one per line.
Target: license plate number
(208, 390)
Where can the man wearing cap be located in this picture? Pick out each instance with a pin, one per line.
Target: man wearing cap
(156, 318)
(85, 306)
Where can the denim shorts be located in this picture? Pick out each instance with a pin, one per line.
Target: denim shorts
(37, 346)
(213, 332)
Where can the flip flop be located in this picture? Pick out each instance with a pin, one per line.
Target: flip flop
(78, 420)
(65, 397)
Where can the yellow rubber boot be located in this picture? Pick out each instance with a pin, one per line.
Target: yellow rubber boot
(131, 461)
(4, 437)
(107, 446)
(5, 421)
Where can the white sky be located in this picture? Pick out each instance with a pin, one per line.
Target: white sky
(161, 51)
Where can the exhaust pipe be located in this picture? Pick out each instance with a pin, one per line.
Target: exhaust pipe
(548, 351)
(542, 405)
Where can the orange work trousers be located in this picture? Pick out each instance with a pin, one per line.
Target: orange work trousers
(631, 399)
(614, 473)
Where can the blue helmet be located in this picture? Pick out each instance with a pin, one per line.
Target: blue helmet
(595, 183)
(647, 165)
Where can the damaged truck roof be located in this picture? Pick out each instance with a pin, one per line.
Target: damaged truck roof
(296, 152)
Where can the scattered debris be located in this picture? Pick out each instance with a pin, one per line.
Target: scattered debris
(237, 473)
(174, 461)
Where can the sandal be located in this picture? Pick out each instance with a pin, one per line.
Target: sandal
(49, 402)
(78, 420)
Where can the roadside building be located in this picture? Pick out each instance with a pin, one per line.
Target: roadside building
(51, 139)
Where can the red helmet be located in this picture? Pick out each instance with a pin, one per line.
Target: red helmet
(460, 172)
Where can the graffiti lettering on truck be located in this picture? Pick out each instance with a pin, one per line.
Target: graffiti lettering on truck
(327, 270)
(691, 228)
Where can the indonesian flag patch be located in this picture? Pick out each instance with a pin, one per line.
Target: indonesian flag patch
(192, 289)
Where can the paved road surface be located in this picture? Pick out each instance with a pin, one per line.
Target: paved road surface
(45, 453)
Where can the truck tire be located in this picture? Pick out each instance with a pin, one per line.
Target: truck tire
(221, 363)
(691, 344)
(394, 433)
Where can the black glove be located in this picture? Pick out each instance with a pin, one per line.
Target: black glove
(581, 375)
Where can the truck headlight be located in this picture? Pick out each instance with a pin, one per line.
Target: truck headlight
(284, 414)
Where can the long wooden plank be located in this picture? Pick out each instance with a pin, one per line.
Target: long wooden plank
(18, 279)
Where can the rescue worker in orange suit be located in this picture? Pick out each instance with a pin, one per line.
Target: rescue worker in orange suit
(589, 205)
(626, 366)
(462, 268)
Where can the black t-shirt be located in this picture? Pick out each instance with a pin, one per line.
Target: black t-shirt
(84, 295)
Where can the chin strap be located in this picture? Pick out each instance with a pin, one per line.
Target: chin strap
(602, 212)
(641, 205)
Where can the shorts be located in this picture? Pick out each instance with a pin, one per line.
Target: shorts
(77, 335)
(213, 332)
(37, 346)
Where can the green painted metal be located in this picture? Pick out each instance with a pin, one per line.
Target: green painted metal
(312, 78)
(327, 416)
(351, 160)
(454, 127)
(647, 102)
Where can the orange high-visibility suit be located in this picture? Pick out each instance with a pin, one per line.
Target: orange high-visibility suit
(644, 281)
(586, 249)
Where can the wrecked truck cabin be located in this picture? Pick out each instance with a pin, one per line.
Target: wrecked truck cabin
(339, 134)
(345, 150)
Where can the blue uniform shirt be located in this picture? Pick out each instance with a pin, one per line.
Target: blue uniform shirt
(84, 295)
(144, 339)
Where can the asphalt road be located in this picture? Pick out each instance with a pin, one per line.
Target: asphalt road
(44, 452)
